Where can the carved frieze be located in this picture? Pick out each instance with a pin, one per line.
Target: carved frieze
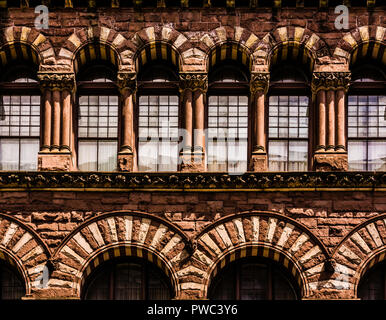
(127, 81)
(57, 81)
(193, 81)
(330, 81)
(259, 82)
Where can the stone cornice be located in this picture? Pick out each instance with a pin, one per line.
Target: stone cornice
(330, 81)
(183, 181)
(193, 81)
(127, 81)
(57, 81)
(259, 82)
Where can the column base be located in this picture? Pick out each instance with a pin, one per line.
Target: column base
(55, 161)
(258, 162)
(192, 162)
(125, 161)
(330, 162)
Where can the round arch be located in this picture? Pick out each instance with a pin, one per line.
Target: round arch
(363, 42)
(361, 249)
(121, 233)
(262, 233)
(21, 247)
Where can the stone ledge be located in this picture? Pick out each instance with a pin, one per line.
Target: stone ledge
(120, 181)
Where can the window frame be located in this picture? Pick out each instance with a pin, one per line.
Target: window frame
(89, 88)
(110, 267)
(359, 88)
(295, 88)
(16, 274)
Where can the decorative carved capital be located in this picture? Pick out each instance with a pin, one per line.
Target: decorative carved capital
(127, 81)
(259, 82)
(193, 82)
(57, 81)
(330, 81)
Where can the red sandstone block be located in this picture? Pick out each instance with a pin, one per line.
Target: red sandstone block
(47, 227)
(140, 197)
(67, 226)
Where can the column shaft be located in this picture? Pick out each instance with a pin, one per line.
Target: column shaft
(56, 124)
(47, 120)
(66, 118)
(127, 120)
(321, 101)
(199, 136)
(331, 120)
(260, 119)
(188, 119)
(341, 138)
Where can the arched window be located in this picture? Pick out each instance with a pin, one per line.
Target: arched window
(227, 147)
(253, 279)
(288, 120)
(367, 120)
(158, 118)
(11, 284)
(373, 284)
(128, 279)
(97, 119)
(19, 119)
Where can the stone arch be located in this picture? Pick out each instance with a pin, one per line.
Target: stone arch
(26, 44)
(160, 42)
(228, 43)
(103, 43)
(362, 247)
(365, 41)
(262, 233)
(119, 233)
(22, 247)
(303, 44)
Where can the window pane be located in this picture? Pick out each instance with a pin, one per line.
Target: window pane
(357, 155)
(29, 149)
(297, 159)
(377, 156)
(107, 155)
(9, 154)
(88, 155)
(147, 160)
(278, 155)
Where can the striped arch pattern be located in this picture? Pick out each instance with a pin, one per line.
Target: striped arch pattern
(228, 43)
(103, 43)
(367, 42)
(290, 43)
(21, 247)
(263, 234)
(118, 234)
(23, 43)
(163, 43)
(360, 250)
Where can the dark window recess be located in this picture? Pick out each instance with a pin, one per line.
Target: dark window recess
(373, 284)
(11, 284)
(253, 279)
(128, 279)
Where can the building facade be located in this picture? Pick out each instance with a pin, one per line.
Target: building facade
(171, 150)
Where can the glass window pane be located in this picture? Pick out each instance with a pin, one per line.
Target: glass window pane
(9, 154)
(297, 158)
(29, 149)
(377, 156)
(277, 155)
(357, 155)
(107, 155)
(87, 155)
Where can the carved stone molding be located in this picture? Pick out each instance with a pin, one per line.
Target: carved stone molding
(57, 81)
(193, 181)
(193, 81)
(259, 82)
(330, 81)
(127, 81)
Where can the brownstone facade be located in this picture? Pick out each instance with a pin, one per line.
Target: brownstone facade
(327, 226)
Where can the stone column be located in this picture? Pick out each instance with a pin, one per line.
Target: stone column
(55, 154)
(127, 84)
(259, 87)
(330, 153)
(193, 87)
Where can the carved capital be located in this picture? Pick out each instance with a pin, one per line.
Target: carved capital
(330, 81)
(127, 81)
(259, 82)
(57, 81)
(193, 82)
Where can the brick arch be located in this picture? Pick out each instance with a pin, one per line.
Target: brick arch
(164, 43)
(86, 45)
(25, 44)
(260, 233)
(362, 247)
(362, 42)
(121, 233)
(290, 41)
(228, 43)
(22, 247)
